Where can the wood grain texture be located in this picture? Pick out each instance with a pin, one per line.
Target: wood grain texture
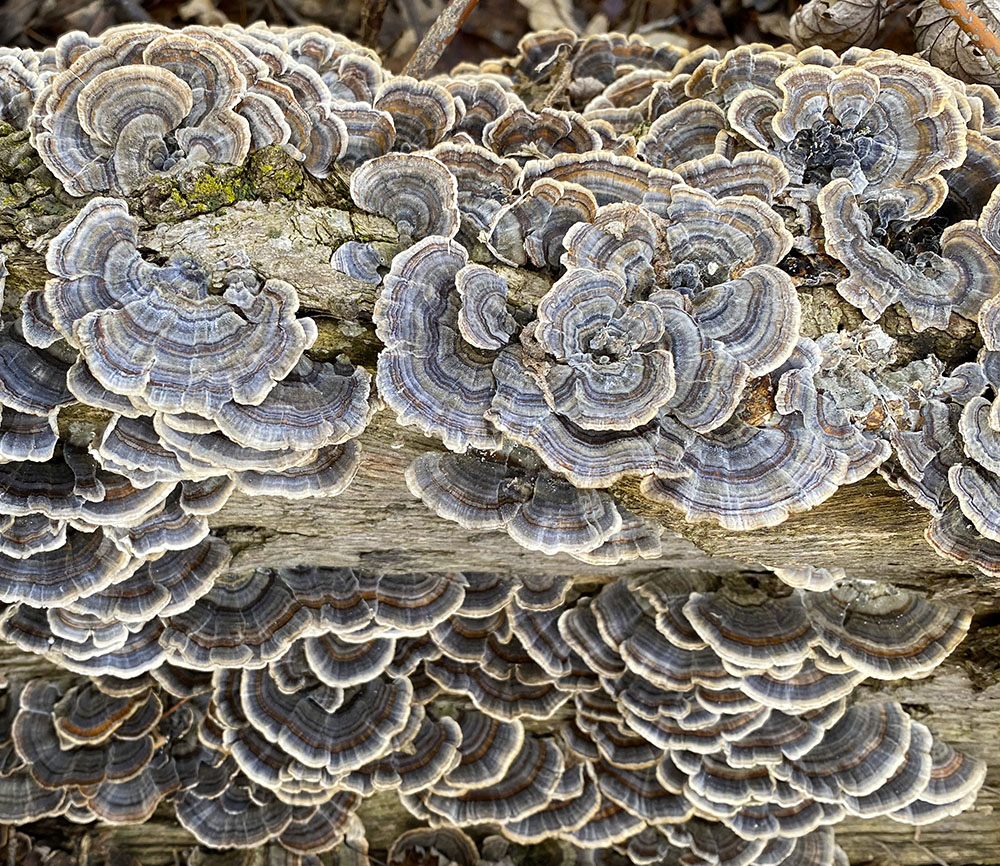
(867, 528)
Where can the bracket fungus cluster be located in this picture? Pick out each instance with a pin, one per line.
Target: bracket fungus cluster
(614, 290)
(686, 717)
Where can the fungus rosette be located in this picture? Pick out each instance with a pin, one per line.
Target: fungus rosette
(146, 100)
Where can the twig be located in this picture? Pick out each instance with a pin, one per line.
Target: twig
(562, 81)
(977, 31)
(436, 39)
(638, 13)
(372, 14)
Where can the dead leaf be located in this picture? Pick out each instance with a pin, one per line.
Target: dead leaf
(837, 24)
(202, 12)
(551, 15)
(942, 42)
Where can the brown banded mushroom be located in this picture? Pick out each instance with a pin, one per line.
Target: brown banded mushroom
(416, 192)
(532, 227)
(425, 362)
(422, 112)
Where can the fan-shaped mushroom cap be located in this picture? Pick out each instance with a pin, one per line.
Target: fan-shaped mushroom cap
(567, 811)
(648, 654)
(723, 236)
(341, 664)
(483, 319)
(416, 192)
(25, 437)
(532, 226)
(473, 639)
(955, 538)
(587, 308)
(709, 380)
(954, 783)
(243, 815)
(476, 493)
(886, 632)
(325, 827)
(32, 381)
(425, 363)
(25, 536)
(254, 331)
(301, 724)
(422, 112)
(206, 496)
(588, 458)
(783, 735)
(804, 576)
(360, 261)
(684, 133)
(526, 787)
(412, 604)
(20, 83)
(641, 794)
(196, 447)
(413, 765)
(519, 132)
(748, 172)
(746, 477)
(621, 237)
(171, 528)
(929, 290)
(131, 446)
(917, 127)
(246, 619)
(113, 119)
(976, 492)
(164, 586)
(538, 509)
(22, 799)
(55, 762)
(333, 596)
(478, 202)
(61, 633)
(609, 177)
(485, 594)
(810, 689)
(856, 756)
(140, 653)
(329, 473)
(712, 842)
(508, 698)
(487, 748)
(95, 262)
(448, 842)
(740, 314)
(611, 824)
(85, 563)
(753, 633)
(316, 404)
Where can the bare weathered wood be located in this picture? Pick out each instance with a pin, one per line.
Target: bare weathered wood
(868, 528)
